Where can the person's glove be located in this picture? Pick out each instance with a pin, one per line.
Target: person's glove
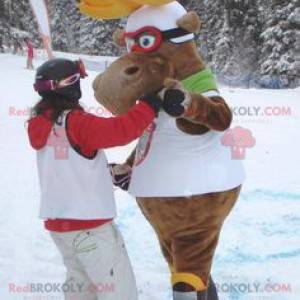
(153, 100)
(121, 175)
(176, 99)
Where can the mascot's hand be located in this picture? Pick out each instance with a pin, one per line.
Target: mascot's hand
(176, 99)
(121, 175)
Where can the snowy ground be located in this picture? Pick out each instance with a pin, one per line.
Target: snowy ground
(259, 253)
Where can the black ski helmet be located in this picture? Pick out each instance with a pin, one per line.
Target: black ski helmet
(54, 71)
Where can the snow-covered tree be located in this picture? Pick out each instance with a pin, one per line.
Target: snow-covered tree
(59, 25)
(245, 42)
(96, 37)
(4, 29)
(277, 60)
(17, 17)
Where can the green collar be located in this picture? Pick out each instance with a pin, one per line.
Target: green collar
(200, 82)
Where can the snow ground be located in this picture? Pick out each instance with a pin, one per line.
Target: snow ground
(260, 245)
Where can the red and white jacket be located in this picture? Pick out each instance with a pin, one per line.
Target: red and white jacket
(76, 187)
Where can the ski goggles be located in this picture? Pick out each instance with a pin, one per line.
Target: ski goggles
(149, 39)
(50, 85)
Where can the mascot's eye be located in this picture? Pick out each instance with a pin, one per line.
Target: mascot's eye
(147, 41)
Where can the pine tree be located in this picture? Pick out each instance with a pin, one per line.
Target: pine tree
(245, 42)
(73, 29)
(3, 28)
(278, 62)
(59, 25)
(17, 15)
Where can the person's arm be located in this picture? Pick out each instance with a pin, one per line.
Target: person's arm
(93, 133)
(39, 129)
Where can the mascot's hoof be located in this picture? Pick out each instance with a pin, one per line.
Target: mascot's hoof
(173, 103)
(114, 9)
(188, 286)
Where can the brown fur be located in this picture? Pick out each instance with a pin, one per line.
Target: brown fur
(118, 91)
(128, 79)
(213, 112)
(189, 127)
(190, 22)
(188, 228)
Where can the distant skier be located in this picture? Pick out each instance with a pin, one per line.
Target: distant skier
(17, 46)
(1, 44)
(29, 46)
(77, 199)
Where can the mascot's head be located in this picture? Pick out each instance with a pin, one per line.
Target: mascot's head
(160, 45)
(149, 26)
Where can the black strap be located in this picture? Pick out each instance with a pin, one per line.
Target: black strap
(174, 33)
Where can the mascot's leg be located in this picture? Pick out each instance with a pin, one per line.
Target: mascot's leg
(211, 292)
(188, 230)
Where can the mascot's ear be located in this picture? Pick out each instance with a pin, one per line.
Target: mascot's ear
(190, 22)
(118, 37)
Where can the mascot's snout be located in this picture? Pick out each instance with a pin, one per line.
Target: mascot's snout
(129, 78)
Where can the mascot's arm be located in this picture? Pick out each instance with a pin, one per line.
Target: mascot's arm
(212, 112)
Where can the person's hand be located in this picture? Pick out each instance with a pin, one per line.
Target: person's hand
(176, 99)
(153, 100)
(121, 175)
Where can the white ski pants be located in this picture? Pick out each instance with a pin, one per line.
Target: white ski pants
(98, 267)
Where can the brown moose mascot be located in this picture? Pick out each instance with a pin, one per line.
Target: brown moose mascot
(183, 178)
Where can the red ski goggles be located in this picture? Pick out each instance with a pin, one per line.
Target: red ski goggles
(50, 85)
(149, 39)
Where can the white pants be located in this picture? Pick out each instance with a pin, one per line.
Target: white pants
(97, 264)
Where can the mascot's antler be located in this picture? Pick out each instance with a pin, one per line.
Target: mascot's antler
(113, 9)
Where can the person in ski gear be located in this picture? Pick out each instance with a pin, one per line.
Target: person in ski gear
(77, 199)
(29, 64)
(1, 42)
(17, 45)
(183, 178)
